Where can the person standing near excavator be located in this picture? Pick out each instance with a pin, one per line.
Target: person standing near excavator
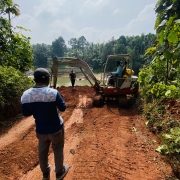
(72, 77)
(44, 103)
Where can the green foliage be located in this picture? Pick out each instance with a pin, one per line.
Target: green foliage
(12, 85)
(41, 54)
(15, 48)
(171, 142)
(152, 87)
(16, 51)
(165, 91)
(58, 47)
(161, 78)
(78, 48)
(7, 6)
(95, 54)
(153, 112)
(15, 58)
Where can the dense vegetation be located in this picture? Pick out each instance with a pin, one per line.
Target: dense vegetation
(95, 54)
(160, 81)
(16, 57)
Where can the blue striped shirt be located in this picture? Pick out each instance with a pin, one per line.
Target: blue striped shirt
(44, 104)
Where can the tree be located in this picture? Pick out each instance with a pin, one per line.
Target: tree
(120, 49)
(93, 55)
(15, 58)
(166, 49)
(122, 40)
(7, 7)
(79, 47)
(73, 42)
(59, 47)
(41, 54)
(15, 48)
(161, 77)
(82, 45)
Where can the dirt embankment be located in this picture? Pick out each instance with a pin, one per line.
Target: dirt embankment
(105, 143)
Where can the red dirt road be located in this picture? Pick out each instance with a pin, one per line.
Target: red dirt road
(107, 143)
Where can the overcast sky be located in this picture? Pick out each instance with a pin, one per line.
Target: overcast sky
(96, 20)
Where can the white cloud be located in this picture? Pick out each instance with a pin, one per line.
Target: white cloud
(49, 6)
(97, 3)
(58, 27)
(143, 20)
(25, 21)
(90, 19)
(116, 11)
(143, 23)
(146, 12)
(91, 33)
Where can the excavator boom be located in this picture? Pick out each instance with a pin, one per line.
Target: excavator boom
(73, 62)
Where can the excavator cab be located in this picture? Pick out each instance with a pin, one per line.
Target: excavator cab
(126, 65)
(124, 85)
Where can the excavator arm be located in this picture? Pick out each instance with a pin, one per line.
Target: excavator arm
(73, 62)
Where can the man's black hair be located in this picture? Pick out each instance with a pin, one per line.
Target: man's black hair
(118, 62)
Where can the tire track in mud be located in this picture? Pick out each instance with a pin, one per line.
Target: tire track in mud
(117, 146)
(71, 143)
(17, 132)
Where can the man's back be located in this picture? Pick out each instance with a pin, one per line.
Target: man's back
(72, 75)
(42, 103)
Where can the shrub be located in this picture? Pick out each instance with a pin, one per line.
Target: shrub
(12, 85)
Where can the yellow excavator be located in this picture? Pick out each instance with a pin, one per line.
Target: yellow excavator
(124, 86)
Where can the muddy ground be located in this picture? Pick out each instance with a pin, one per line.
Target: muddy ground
(107, 143)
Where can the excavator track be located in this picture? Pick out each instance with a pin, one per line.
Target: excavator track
(123, 101)
(98, 100)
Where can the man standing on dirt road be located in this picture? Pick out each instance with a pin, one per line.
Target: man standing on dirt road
(44, 104)
(72, 77)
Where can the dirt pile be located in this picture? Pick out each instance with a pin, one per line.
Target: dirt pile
(106, 143)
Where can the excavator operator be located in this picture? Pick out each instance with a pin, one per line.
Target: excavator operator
(117, 73)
